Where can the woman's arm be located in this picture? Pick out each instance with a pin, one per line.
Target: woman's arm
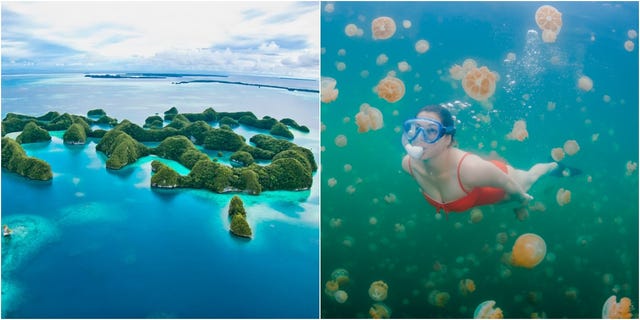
(477, 172)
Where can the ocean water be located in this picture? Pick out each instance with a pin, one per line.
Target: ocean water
(95, 243)
(376, 224)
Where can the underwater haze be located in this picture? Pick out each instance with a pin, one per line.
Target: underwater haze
(375, 223)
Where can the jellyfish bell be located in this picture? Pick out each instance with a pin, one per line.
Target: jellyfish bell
(341, 296)
(585, 83)
(528, 251)
(557, 154)
(340, 140)
(422, 46)
(616, 310)
(549, 36)
(466, 286)
(629, 45)
(571, 147)
(328, 91)
(439, 298)
(369, 118)
(331, 287)
(380, 311)
(383, 28)
(352, 30)
(378, 290)
(382, 59)
(486, 310)
(479, 83)
(632, 34)
(519, 131)
(548, 18)
(390, 89)
(341, 276)
(476, 215)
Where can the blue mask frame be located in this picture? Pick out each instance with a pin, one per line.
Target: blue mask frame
(430, 130)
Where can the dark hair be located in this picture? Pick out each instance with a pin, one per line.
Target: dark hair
(445, 116)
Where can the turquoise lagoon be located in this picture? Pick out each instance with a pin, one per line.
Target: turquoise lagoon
(94, 243)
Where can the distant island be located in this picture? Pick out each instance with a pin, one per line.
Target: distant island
(148, 75)
(291, 166)
(248, 84)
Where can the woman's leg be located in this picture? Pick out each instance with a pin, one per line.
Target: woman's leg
(527, 178)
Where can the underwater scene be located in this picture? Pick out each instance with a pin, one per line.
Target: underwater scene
(527, 83)
(99, 242)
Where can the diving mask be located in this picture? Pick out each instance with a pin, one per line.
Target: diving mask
(422, 129)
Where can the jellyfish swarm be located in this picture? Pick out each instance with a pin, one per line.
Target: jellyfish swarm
(378, 290)
(563, 196)
(380, 311)
(480, 83)
(619, 310)
(519, 131)
(328, 91)
(528, 251)
(486, 310)
(549, 19)
(369, 118)
(383, 28)
(571, 147)
(390, 88)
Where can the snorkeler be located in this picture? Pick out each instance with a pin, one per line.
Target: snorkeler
(455, 180)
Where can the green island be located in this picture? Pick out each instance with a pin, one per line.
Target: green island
(291, 167)
(239, 225)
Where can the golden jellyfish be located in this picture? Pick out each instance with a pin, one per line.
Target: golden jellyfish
(456, 72)
(510, 57)
(382, 59)
(369, 118)
(439, 298)
(347, 167)
(383, 28)
(632, 34)
(403, 66)
(476, 215)
(341, 66)
(528, 251)
(390, 198)
(332, 182)
(557, 154)
(341, 296)
(407, 24)
(378, 290)
(380, 311)
(606, 98)
(502, 237)
(480, 83)
(486, 310)
(390, 88)
(549, 18)
(351, 30)
(522, 213)
(342, 52)
(571, 147)
(631, 167)
(519, 131)
(341, 276)
(629, 46)
(340, 140)
(422, 46)
(563, 197)
(329, 7)
(328, 91)
(585, 83)
(551, 105)
(616, 310)
(330, 287)
(466, 286)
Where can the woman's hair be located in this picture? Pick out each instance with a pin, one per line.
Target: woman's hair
(445, 116)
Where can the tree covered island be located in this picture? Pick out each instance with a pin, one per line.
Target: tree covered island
(291, 167)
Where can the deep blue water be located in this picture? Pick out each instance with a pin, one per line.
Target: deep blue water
(95, 243)
(592, 247)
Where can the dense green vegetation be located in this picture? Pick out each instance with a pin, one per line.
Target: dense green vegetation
(236, 206)
(281, 130)
(164, 176)
(121, 149)
(33, 133)
(96, 113)
(293, 124)
(153, 122)
(231, 122)
(223, 139)
(16, 160)
(76, 134)
(240, 227)
(241, 158)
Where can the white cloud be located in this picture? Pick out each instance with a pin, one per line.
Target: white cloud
(140, 32)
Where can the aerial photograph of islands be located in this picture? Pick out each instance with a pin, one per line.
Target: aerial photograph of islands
(160, 160)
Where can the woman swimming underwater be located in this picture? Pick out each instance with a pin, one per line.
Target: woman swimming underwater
(455, 180)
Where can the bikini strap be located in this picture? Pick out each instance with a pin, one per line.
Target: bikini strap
(459, 164)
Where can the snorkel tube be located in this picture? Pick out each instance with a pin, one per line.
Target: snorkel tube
(414, 152)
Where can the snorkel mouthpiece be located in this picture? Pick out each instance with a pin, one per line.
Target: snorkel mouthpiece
(414, 152)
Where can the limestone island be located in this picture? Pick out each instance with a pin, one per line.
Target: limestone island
(239, 225)
(16, 160)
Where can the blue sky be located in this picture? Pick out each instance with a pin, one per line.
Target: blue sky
(280, 38)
